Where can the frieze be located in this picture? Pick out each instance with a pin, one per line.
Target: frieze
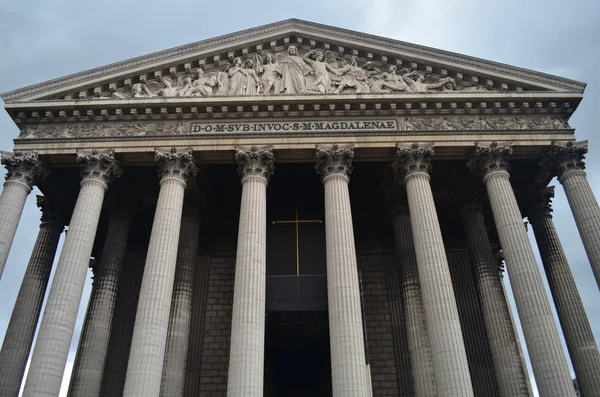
(141, 129)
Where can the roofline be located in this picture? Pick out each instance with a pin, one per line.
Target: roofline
(109, 69)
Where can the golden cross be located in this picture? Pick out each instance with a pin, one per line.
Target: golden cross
(297, 222)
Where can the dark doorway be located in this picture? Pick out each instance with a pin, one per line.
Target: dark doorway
(296, 259)
(297, 359)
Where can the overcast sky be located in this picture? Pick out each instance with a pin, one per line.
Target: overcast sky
(45, 39)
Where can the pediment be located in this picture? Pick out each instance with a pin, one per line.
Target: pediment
(292, 57)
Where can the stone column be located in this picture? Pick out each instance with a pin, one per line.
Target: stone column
(575, 325)
(451, 369)
(567, 163)
(86, 378)
(348, 357)
(511, 375)
(541, 335)
(56, 330)
(416, 327)
(247, 351)
(176, 353)
(23, 170)
(149, 339)
(25, 315)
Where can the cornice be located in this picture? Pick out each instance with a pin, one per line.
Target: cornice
(293, 26)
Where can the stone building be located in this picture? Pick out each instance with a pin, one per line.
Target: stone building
(298, 210)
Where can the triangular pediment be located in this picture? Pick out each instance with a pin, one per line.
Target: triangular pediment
(261, 61)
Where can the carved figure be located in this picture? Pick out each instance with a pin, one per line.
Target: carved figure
(352, 77)
(320, 72)
(253, 83)
(270, 77)
(186, 89)
(141, 91)
(223, 79)
(393, 81)
(168, 90)
(237, 78)
(292, 70)
(416, 82)
(202, 86)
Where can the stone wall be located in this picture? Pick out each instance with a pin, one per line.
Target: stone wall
(217, 327)
(378, 318)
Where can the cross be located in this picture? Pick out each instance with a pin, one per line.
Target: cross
(297, 222)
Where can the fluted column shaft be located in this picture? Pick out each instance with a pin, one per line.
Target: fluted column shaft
(511, 375)
(58, 323)
(567, 163)
(586, 212)
(541, 335)
(347, 344)
(22, 171)
(86, 378)
(176, 353)
(25, 315)
(247, 351)
(450, 365)
(575, 325)
(149, 339)
(416, 327)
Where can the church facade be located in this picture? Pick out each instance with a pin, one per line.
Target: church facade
(298, 210)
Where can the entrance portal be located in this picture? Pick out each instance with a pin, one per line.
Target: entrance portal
(297, 359)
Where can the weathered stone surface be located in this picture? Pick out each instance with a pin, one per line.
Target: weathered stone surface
(541, 335)
(450, 364)
(23, 321)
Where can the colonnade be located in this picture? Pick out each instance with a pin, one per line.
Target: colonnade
(436, 345)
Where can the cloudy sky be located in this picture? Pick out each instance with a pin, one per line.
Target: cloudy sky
(45, 39)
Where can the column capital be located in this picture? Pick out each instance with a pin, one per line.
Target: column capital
(99, 166)
(120, 207)
(489, 159)
(50, 210)
(23, 167)
(334, 160)
(470, 202)
(193, 208)
(255, 162)
(174, 164)
(397, 203)
(412, 159)
(563, 159)
(541, 203)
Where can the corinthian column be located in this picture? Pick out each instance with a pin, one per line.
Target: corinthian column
(543, 343)
(147, 354)
(247, 351)
(56, 330)
(174, 370)
(416, 327)
(25, 315)
(348, 357)
(23, 170)
(86, 378)
(575, 325)
(510, 372)
(451, 369)
(566, 162)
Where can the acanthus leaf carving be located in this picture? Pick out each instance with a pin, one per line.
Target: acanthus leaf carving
(492, 158)
(23, 167)
(560, 160)
(540, 203)
(334, 160)
(255, 162)
(174, 164)
(100, 166)
(412, 159)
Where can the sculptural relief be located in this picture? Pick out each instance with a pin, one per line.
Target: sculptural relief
(291, 73)
(438, 123)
